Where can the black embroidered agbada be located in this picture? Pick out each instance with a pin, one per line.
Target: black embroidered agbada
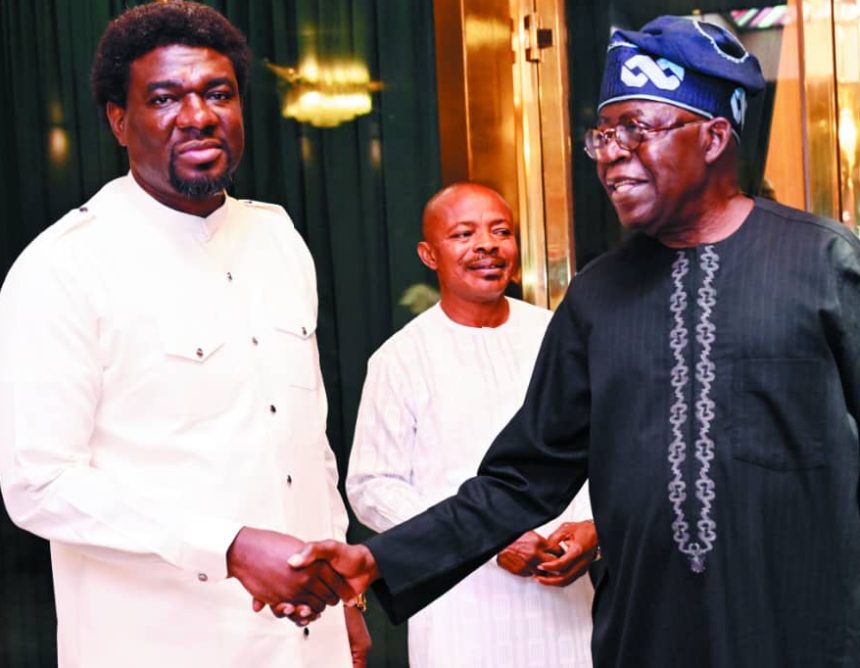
(711, 396)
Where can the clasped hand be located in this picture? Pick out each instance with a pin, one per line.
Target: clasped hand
(555, 561)
(296, 579)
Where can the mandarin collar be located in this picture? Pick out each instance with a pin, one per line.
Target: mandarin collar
(458, 327)
(159, 214)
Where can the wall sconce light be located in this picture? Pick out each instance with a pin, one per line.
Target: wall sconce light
(58, 146)
(325, 94)
(58, 136)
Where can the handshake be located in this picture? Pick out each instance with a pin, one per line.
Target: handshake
(298, 580)
(295, 579)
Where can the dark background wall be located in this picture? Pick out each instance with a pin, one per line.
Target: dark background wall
(355, 193)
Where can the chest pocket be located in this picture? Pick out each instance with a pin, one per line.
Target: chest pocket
(779, 413)
(191, 346)
(296, 350)
(199, 381)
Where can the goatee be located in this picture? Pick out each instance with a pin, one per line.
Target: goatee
(202, 187)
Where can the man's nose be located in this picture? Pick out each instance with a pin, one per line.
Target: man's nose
(195, 113)
(612, 151)
(485, 240)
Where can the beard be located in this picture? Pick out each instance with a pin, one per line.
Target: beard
(203, 187)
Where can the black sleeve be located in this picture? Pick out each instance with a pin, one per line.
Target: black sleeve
(844, 322)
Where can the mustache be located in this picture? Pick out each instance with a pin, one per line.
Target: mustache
(202, 187)
(193, 144)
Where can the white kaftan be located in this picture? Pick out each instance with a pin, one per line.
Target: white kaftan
(159, 389)
(435, 396)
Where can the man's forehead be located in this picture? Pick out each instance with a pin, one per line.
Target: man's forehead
(466, 203)
(472, 204)
(182, 58)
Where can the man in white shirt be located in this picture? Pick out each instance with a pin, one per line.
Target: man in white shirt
(162, 413)
(436, 394)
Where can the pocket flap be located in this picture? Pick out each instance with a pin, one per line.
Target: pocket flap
(302, 328)
(195, 345)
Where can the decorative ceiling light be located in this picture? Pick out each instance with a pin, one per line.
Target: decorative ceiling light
(325, 94)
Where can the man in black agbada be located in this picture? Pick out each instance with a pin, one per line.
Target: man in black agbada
(705, 375)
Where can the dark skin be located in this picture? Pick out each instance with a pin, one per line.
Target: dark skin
(359, 638)
(470, 242)
(183, 105)
(680, 186)
(355, 563)
(557, 560)
(257, 558)
(183, 110)
(524, 555)
(579, 540)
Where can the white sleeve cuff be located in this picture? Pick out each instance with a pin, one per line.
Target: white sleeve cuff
(205, 545)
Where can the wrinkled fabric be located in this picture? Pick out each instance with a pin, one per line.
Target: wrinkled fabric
(435, 396)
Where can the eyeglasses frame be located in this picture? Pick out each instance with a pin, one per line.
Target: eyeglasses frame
(612, 134)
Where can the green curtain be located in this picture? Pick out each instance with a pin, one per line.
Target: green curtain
(355, 193)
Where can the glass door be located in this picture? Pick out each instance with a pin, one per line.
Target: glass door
(518, 84)
(502, 89)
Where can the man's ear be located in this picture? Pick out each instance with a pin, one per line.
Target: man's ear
(116, 118)
(428, 257)
(718, 136)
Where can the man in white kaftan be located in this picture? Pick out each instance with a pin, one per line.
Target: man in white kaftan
(160, 390)
(436, 394)
(162, 412)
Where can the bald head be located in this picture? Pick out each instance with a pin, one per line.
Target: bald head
(442, 206)
(470, 242)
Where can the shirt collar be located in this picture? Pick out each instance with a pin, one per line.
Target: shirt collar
(158, 213)
(456, 326)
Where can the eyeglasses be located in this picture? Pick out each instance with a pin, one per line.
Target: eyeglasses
(628, 136)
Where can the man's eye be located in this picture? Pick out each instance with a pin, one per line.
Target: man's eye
(160, 100)
(603, 135)
(220, 96)
(504, 231)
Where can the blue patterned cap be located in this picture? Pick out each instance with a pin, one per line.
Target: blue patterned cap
(685, 62)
